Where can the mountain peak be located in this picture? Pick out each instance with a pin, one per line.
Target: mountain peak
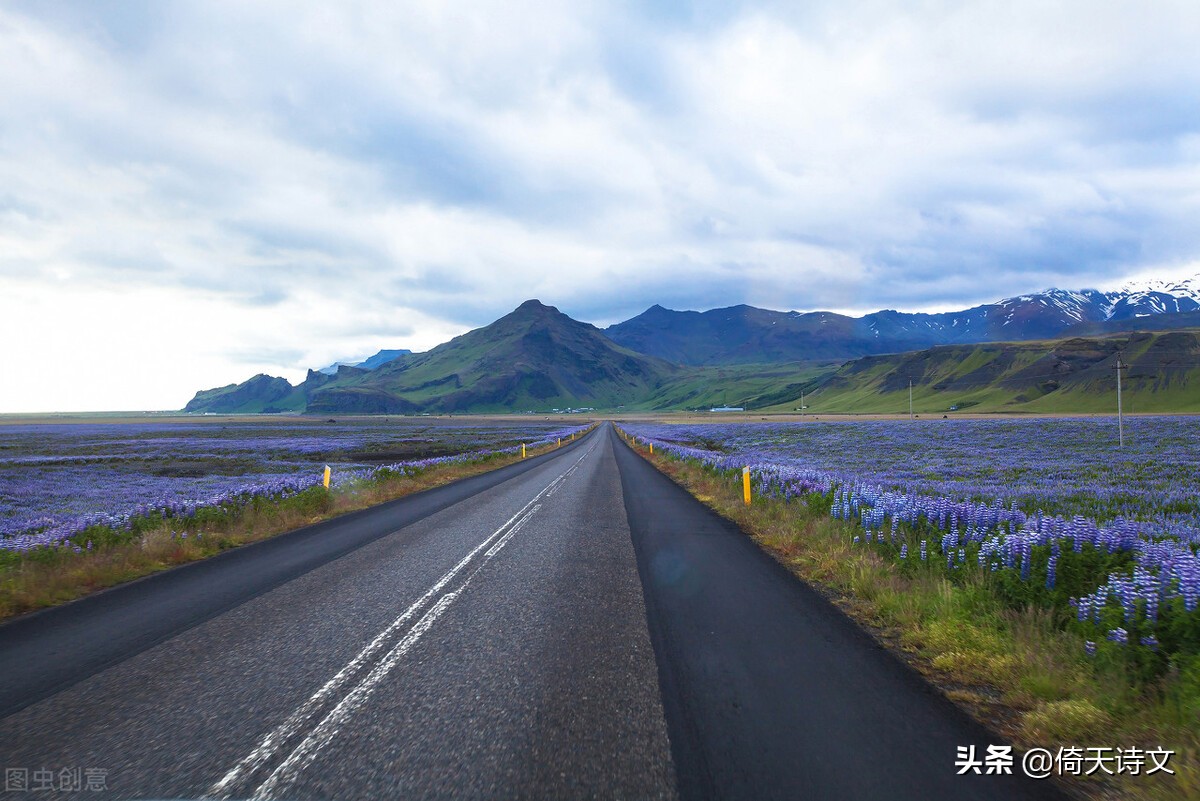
(534, 311)
(659, 312)
(1184, 288)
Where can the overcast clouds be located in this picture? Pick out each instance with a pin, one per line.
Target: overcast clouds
(194, 192)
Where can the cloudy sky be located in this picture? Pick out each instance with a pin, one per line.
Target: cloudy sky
(191, 193)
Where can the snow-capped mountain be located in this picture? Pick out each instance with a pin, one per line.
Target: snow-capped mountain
(744, 334)
(1044, 314)
(1184, 288)
(1156, 297)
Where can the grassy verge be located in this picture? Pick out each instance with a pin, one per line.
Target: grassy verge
(48, 577)
(1019, 671)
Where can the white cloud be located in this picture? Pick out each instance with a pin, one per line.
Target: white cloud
(318, 182)
(88, 348)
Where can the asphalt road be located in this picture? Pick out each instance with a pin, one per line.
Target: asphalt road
(53, 649)
(575, 626)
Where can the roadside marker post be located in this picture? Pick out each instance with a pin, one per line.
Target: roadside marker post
(327, 475)
(746, 484)
(522, 450)
(560, 442)
(651, 448)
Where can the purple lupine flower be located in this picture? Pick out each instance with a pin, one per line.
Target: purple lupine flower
(96, 475)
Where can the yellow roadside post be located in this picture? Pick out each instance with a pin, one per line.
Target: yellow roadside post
(746, 484)
(651, 448)
(327, 474)
(560, 442)
(522, 450)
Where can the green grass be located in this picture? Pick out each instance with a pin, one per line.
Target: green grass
(754, 386)
(870, 400)
(975, 361)
(1071, 376)
(1173, 399)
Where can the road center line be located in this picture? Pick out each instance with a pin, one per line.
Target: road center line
(325, 731)
(276, 740)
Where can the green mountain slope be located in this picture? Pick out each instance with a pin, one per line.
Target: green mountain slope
(538, 359)
(1067, 376)
(535, 358)
(262, 393)
(752, 386)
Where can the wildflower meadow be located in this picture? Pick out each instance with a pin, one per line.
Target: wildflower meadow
(1050, 512)
(72, 485)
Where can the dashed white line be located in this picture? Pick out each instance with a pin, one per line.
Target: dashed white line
(324, 731)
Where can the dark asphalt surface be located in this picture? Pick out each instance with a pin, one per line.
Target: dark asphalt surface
(46, 651)
(573, 627)
(769, 690)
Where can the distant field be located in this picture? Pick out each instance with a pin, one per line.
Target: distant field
(60, 474)
(755, 416)
(1059, 465)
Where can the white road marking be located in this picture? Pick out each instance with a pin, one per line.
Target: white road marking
(324, 731)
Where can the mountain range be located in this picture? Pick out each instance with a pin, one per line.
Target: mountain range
(533, 357)
(537, 358)
(747, 335)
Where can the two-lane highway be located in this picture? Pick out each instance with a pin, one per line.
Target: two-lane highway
(495, 647)
(575, 626)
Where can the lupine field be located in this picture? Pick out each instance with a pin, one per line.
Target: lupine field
(1049, 511)
(58, 482)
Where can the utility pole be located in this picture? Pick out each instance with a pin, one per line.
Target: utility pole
(801, 403)
(910, 409)
(1120, 419)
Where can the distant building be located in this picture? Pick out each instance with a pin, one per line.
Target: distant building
(727, 409)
